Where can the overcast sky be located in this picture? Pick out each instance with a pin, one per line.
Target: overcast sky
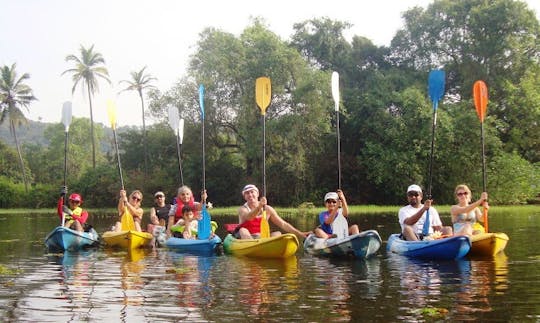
(37, 35)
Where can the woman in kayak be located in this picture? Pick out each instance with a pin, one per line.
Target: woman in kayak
(250, 215)
(334, 202)
(466, 215)
(132, 204)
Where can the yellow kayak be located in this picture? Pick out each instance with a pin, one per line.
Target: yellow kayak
(127, 239)
(488, 244)
(281, 246)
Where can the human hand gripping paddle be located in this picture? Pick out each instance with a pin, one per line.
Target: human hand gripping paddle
(127, 218)
(436, 81)
(263, 96)
(203, 228)
(177, 125)
(66, 120)
(480, 95)
(340, 226)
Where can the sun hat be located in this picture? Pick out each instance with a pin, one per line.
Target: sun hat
(75, 197)
(249, 187)
(414, 188)
(331, 196)
(159, 193)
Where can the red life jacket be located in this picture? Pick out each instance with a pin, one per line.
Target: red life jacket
(180, 206)
(254, 225)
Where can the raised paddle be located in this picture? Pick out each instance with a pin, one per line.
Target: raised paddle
(263, 95)
(480, 95)
(436, 81)
(127, 218)
(203, 229)
(66, 120)
(177, 126)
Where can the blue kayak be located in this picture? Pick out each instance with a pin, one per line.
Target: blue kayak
(361, 245)
(453, 247)
(63, 238)
(206, 246)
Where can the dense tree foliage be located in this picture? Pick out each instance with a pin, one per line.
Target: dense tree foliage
(385, 114)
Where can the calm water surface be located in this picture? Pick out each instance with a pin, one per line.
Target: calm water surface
(162, 285)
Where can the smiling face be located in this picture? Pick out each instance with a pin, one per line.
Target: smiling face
(184, 195)
(463, 194)
(331, 204)
(414, 198)
(251, 196)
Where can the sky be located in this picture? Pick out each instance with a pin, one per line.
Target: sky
(37, 35)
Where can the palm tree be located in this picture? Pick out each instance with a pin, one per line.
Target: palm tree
(87, 68)
(13, 95)
(139, 82)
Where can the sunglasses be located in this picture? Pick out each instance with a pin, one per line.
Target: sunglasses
(134, 198)
(462, 193)
(160, 196)
(415, 194)
(331, 201)
(75, 202)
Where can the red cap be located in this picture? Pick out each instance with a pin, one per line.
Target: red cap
(75, 197)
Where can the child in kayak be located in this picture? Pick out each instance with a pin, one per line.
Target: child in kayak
(336, 204)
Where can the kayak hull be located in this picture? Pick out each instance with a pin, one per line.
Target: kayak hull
(281, 246)
(361, 245)
(127, 239)
(454, 247)
(488, 244)
(63, 238)
(207, 246)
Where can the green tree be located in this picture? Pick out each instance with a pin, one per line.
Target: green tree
(88, 68)
(139, 82)
(15, 94)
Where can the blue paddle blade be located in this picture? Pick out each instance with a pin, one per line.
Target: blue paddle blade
(201, 99)
(425, 228)
(436, 82)
(203, 230)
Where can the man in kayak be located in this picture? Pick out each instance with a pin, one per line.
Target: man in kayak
(250, 215)
(413, 216)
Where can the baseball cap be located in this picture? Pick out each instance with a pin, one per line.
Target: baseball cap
(331, 196)
(414, 188)
(159, 193)
(249, 187)
(75, 197)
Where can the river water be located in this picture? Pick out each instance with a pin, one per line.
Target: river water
(165, 286)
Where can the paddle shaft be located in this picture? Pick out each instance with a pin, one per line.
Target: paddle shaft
(65, 165)
(178, 151)
(338, 150)
(484, 177)
(118, 159)
(434, 125)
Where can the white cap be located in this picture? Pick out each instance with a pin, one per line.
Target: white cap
(414, 188)
(249, 187)
(331, 196)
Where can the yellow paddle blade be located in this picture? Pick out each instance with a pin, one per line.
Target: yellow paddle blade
(111, 112)
(480, 94)
(127, 221)
(263, 93)
(265, 227)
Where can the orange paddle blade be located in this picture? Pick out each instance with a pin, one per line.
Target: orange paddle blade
(265, 227)
(263, 93)
(127, 221)
(480, 94)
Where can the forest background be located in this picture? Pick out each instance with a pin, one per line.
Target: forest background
(385, 116)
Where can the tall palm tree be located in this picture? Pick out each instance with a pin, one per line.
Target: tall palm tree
(87, 69)
(13, 95)
(139, 82)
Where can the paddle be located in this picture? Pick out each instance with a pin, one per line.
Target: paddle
(203, 230)
(127, 218)
(66, 120)
(177, 126)
(480, 94)
(263, 95)
(436, 81)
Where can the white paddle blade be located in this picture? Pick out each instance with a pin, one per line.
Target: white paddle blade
(335, 89)
(66, 114)
(340, 226)
(181, 130)
(173, 119)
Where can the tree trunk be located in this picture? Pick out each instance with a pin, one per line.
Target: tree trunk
(12, 125)
(92, 130)
(144, 136)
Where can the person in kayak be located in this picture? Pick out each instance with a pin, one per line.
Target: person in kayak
(184, 197)
(250, 215)
(74, 216)
(466, 215)
(131, 204)
(334, 202)
(413, 216)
